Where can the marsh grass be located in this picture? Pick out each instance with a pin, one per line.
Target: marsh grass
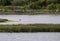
(12, 10)
(3, 20)
(11, 21)
(30, 28)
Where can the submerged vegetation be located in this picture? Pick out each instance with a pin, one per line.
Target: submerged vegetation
(3, 20)
(30, 28)
(6, 20)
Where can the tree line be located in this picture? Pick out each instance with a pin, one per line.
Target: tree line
(32, 4)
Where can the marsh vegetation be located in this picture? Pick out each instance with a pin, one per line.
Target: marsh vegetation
(3, 20)
(29, 7)
(30, 28)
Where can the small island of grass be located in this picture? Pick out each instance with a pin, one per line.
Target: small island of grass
(6, 20)
(30, 28)
(3, 20)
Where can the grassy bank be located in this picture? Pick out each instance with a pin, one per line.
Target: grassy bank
(34, 12)
(12, 10)
(29, 13)
(30, 28)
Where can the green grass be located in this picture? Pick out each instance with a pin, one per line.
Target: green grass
(9, 10)
(29, 13)
(6, 20)
(30, 28)
(3, 20)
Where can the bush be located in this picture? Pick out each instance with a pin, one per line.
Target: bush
(58, 6)
(18, 2)
(52, 7)
(34, 6)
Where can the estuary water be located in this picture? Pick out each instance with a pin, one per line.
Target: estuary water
(30, 36)
(31, 19)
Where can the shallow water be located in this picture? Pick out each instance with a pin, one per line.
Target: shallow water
(32, 19)
(30, 36)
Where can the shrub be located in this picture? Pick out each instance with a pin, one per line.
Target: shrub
(52, 7)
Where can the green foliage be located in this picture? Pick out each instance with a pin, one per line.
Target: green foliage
(32, 0)
(25, 7)
(5, 2)
(33, 4)
(30, 28)
(58, 6)
(52, 1)
(52, 7)
(35, 7)
(19, 2)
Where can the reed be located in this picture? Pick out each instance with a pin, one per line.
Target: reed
(30, 28)
(12, 10)
(3, 20)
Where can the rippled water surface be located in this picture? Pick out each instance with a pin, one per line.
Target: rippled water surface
(31, 19)
(29, 36)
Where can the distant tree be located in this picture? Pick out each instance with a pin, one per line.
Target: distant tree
(43, 3)
(5, 2)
